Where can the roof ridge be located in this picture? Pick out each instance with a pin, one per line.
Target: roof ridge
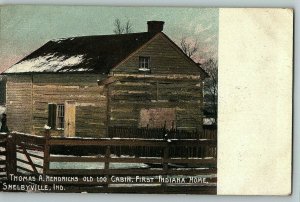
(105, 35)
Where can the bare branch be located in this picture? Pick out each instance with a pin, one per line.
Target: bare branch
(122, 29)
(128, 27)
(118, 27)
(189, 48)
(211, 86)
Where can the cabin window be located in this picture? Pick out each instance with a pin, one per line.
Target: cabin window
(56, 116)
(60, 116)
(144, 63)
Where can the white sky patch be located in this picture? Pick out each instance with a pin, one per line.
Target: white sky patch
(200, 28)
(211, 38)
(47, 63)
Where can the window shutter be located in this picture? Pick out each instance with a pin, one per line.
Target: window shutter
(52, 115)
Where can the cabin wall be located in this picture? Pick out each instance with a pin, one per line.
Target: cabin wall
(91, 121)
(34, 93)
(19, 103)
(174, 83)
(165, 58)
(131, 97)
(83, 89)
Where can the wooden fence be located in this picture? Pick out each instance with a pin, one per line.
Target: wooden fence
(147, 164)
(3, 139)
(208, 132)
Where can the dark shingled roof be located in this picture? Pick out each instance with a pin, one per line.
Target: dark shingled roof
(94, 53)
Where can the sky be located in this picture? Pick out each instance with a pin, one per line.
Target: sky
(24, 29)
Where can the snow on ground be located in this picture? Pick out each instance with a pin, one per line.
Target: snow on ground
(2, 109)
(76, 165)
(100, 165)
(208, 121)
(83, 165)
(49, 62)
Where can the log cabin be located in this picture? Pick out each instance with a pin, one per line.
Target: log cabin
(80, 86)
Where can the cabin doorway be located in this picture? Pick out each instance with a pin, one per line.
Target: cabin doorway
(70, 114)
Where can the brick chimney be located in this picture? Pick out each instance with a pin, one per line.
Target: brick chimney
(155, 26)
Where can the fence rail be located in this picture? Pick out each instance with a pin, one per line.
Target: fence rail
(208, 132)
(105, 158)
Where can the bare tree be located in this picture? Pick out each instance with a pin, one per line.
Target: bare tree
(210, 90)
(128, 27)
(189, 48)
(119, 28)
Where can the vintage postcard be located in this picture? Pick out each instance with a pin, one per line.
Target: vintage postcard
(144, 99)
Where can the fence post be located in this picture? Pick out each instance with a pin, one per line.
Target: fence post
(166, 157)
(46, 152)
(107, 156)
(165, 163)
(106, 164)
(11, 155)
